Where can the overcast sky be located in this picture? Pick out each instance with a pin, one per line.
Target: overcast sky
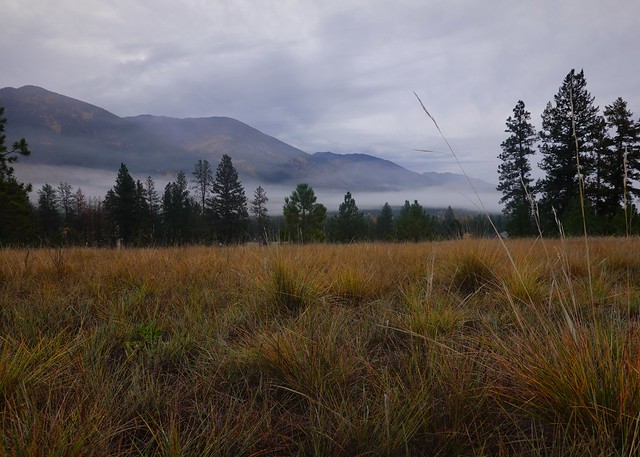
(330, 75)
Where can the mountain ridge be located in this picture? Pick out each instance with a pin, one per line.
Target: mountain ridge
(63, 131)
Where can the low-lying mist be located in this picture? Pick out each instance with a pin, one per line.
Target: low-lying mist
(96, 183)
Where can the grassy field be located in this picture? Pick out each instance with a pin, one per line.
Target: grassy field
(447, 348)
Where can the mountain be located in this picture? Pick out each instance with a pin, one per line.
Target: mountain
(62, 131)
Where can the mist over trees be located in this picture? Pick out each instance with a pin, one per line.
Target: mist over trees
(591, 165)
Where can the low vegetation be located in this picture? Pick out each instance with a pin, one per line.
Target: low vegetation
(447, 348)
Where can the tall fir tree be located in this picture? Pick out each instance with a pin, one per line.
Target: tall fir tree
(228, 204)
(177, 211)
(16, 221)
(121, 206)
(349, 225)
(303, 215)
(413, 223)
(515, 181)
(49, 218)
(260, 212)
(385, 228)
(571, 132)
(202, 182)
(620, 159)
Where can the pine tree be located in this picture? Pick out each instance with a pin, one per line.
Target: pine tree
(515, 180)
(177, 211)
(573, 118)
(621, 159)
(121, 206)
(228, 203)
(349, 225)
(15, 208)
(385, 228)
(202, 182)
(303, 215)
(414, 224)
(260, 212)
(49, 218)
(451, 227)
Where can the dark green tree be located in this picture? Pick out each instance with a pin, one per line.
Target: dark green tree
(202, 182)
(178, 211)
(16, 221)
(228, 204)
(413, 223)
(49, 218)
(349, 225)
(571, 132)
(514, 171)
(385, 228)
(451, 227)
(303, 215)
(620, 160)
(260, 212)
(121, 205)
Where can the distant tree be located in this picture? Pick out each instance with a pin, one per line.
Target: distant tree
(153, 207)
(260, 212)
(228, 203)
(573, 118)
(202, 182)
(385, 228)
(122, 206)
(16, 220)
(349, 225)
(303, 215)
(414, 224)
(65, 201)
(620, 169)
(178, 209)
(49, 218)
(451, 227)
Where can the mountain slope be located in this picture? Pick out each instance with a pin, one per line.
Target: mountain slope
(63, 131)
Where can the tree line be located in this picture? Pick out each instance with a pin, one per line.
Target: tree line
(590, 160)
(209, 206)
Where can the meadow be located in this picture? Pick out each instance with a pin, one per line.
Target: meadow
(463, 347)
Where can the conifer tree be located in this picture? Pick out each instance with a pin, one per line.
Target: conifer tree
(414, 224)
(515, 180)
(202, 182)
(571, 131)
(177, 211)
(303, 215)
(15, 208)
(621, 158)
(349, 225)
(121, 206)
(228, 203)
(260, 212)
(385, 228)
(49, 219)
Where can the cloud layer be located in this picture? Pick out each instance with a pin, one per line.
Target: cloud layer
(331, 75)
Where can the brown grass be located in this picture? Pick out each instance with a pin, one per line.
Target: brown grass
(366, 349)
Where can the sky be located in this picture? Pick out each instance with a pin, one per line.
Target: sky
(331, 75)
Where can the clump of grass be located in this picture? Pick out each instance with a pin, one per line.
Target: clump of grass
(472, 271)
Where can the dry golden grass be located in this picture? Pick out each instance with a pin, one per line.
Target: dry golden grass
(442, 348)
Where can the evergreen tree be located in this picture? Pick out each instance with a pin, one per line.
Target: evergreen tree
(49, 219)
(65, 201)
(414, 224)
(451, 227)
(621, 159)
(228, 203)
(153, 206)
(177, 210)
(303, 215)
(349, 225)
(202, 182)
(260, 212)
(15, 208)
(515, 180)
(572, 119)
(385, 225)
(121, 206)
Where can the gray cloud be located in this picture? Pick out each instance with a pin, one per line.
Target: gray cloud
(331, 75)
